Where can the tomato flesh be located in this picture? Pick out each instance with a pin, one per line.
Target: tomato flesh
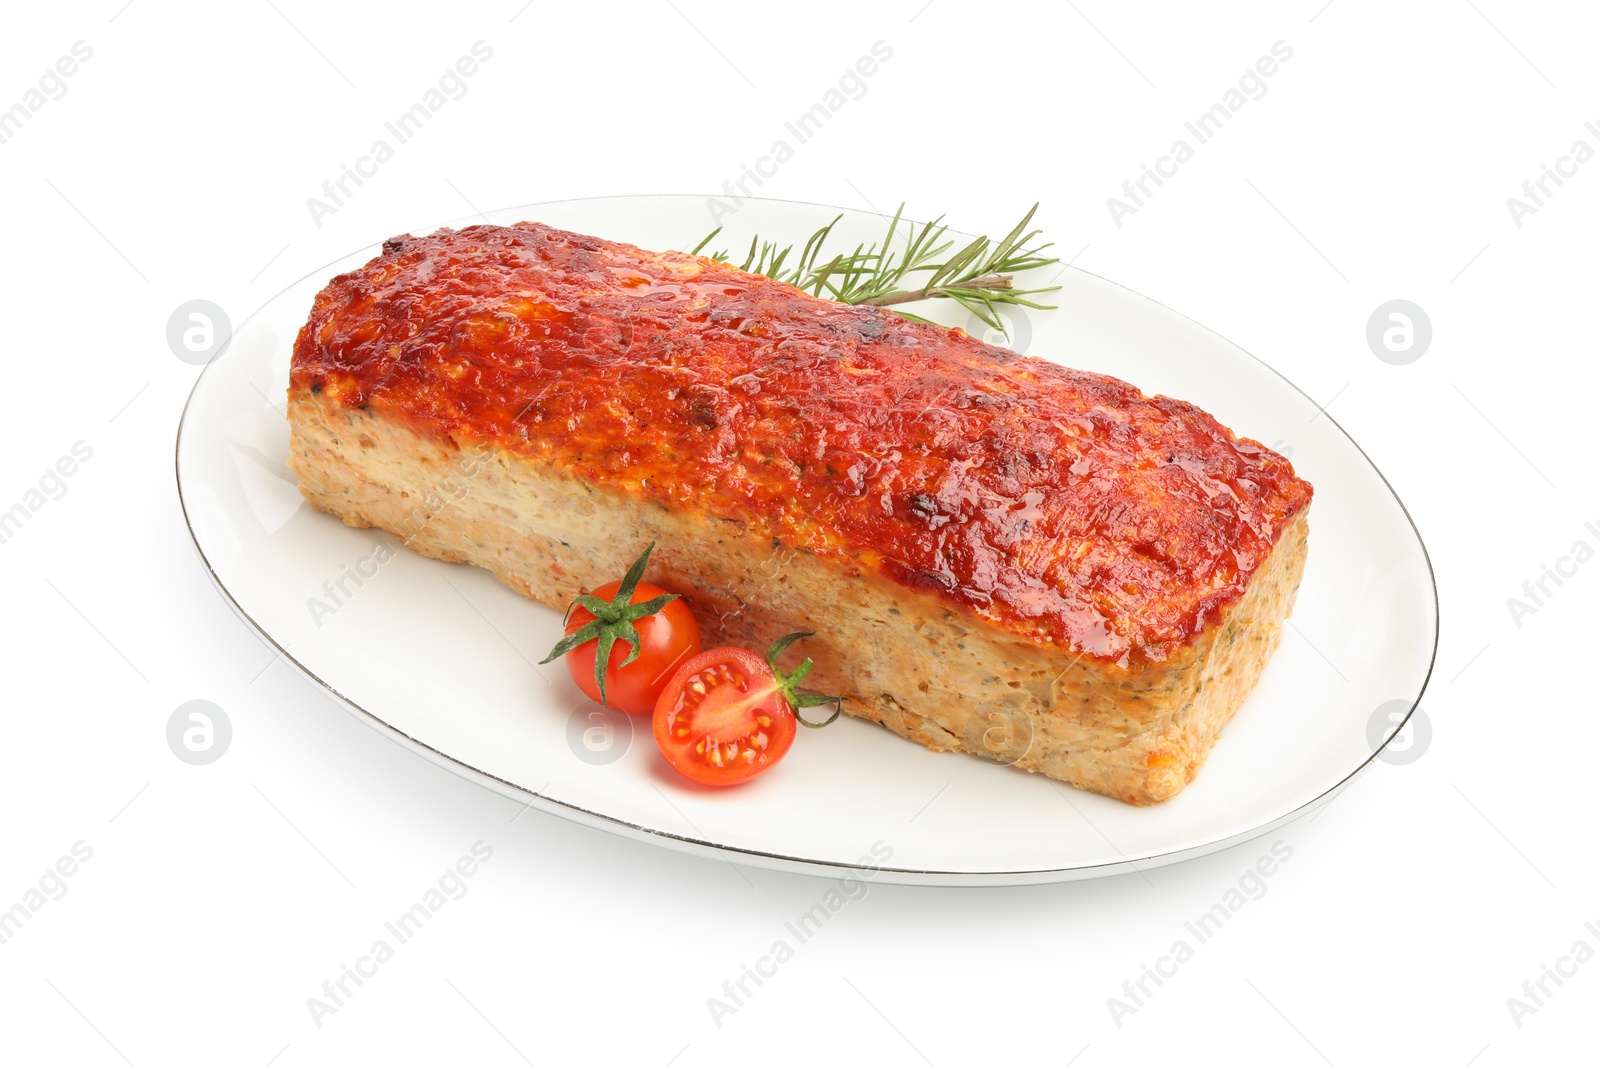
(722, 719)
(666, 640)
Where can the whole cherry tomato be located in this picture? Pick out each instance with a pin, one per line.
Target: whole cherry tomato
(625, 640)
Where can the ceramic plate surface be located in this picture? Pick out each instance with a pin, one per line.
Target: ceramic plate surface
(442, 657)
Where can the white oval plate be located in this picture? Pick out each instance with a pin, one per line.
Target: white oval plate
(441, 657)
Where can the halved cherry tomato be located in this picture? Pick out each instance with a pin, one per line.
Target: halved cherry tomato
(723, 718)
(728, 715)
(645, 635)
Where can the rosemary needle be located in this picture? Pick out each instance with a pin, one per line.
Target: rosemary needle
(978, 276)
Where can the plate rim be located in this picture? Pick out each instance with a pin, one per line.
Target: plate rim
(774, 860)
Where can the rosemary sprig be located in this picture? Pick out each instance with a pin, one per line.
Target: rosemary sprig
(978, 276)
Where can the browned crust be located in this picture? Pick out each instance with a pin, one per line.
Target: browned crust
(1059, 504)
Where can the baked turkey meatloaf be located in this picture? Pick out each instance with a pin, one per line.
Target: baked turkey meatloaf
(998, 555)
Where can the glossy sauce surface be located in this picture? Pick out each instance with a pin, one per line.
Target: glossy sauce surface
(1062, 505)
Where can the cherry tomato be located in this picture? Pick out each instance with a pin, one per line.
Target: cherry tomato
(724, 718)
(666, 639)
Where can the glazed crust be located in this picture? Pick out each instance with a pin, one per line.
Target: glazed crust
(1061, 506)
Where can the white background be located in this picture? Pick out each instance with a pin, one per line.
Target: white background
(177, 165)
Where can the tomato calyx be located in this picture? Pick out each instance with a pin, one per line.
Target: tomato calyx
(612, 622)
(788, 684)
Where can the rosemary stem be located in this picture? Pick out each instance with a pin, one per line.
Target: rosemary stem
(988, 281)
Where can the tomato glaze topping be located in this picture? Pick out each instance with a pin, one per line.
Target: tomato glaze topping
(1062, 505)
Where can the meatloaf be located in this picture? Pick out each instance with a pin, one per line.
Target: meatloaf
(999, 555)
